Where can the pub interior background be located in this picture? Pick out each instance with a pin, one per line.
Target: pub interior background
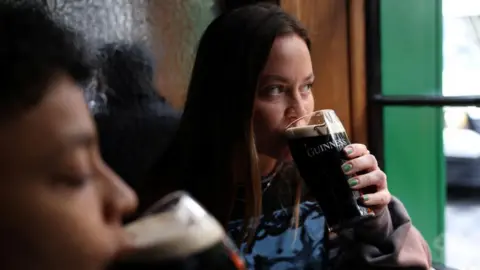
(403, 75)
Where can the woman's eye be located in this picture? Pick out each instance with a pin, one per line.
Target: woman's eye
(307, 87)
(274, 90)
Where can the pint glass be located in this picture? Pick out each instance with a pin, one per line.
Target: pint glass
(177, 233)
(316, 142)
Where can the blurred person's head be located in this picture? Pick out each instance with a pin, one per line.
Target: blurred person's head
(127, 71)
(252, 76)
(61, 205)
(136, 124)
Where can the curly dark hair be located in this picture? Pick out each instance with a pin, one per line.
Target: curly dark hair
(34, 49)
(128, 72)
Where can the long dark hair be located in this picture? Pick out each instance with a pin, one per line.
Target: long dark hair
(214, 148)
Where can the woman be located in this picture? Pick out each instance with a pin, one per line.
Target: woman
(252, 76)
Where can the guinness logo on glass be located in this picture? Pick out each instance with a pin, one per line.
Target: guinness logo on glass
(332, 145)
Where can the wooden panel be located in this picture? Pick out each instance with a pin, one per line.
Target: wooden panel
(358, 89)
(326, 21)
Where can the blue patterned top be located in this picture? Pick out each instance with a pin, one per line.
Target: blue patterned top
(277, 244)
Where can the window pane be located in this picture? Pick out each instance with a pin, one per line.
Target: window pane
(461, 143)
(171, 27)
(461, 133)
(461, 47)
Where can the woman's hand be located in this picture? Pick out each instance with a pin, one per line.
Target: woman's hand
(364, 173)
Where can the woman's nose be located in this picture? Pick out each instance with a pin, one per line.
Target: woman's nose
(296, 108)
(120, 200)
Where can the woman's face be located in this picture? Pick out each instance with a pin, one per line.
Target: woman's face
(283, 94)
(62, 207)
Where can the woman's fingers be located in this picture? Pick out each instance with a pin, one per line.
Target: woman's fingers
(356, 150)
(377, 200)
(363, 163)
(375, 178)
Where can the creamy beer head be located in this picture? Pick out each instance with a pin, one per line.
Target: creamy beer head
(319, 123)
(162, 237)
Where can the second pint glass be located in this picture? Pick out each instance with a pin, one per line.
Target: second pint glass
(316, 143)
(179, 234)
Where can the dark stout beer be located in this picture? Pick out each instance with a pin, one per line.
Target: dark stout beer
(318, 154)
(164, 243)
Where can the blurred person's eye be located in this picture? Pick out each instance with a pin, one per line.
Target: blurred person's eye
(78, 169)
(73, 181)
